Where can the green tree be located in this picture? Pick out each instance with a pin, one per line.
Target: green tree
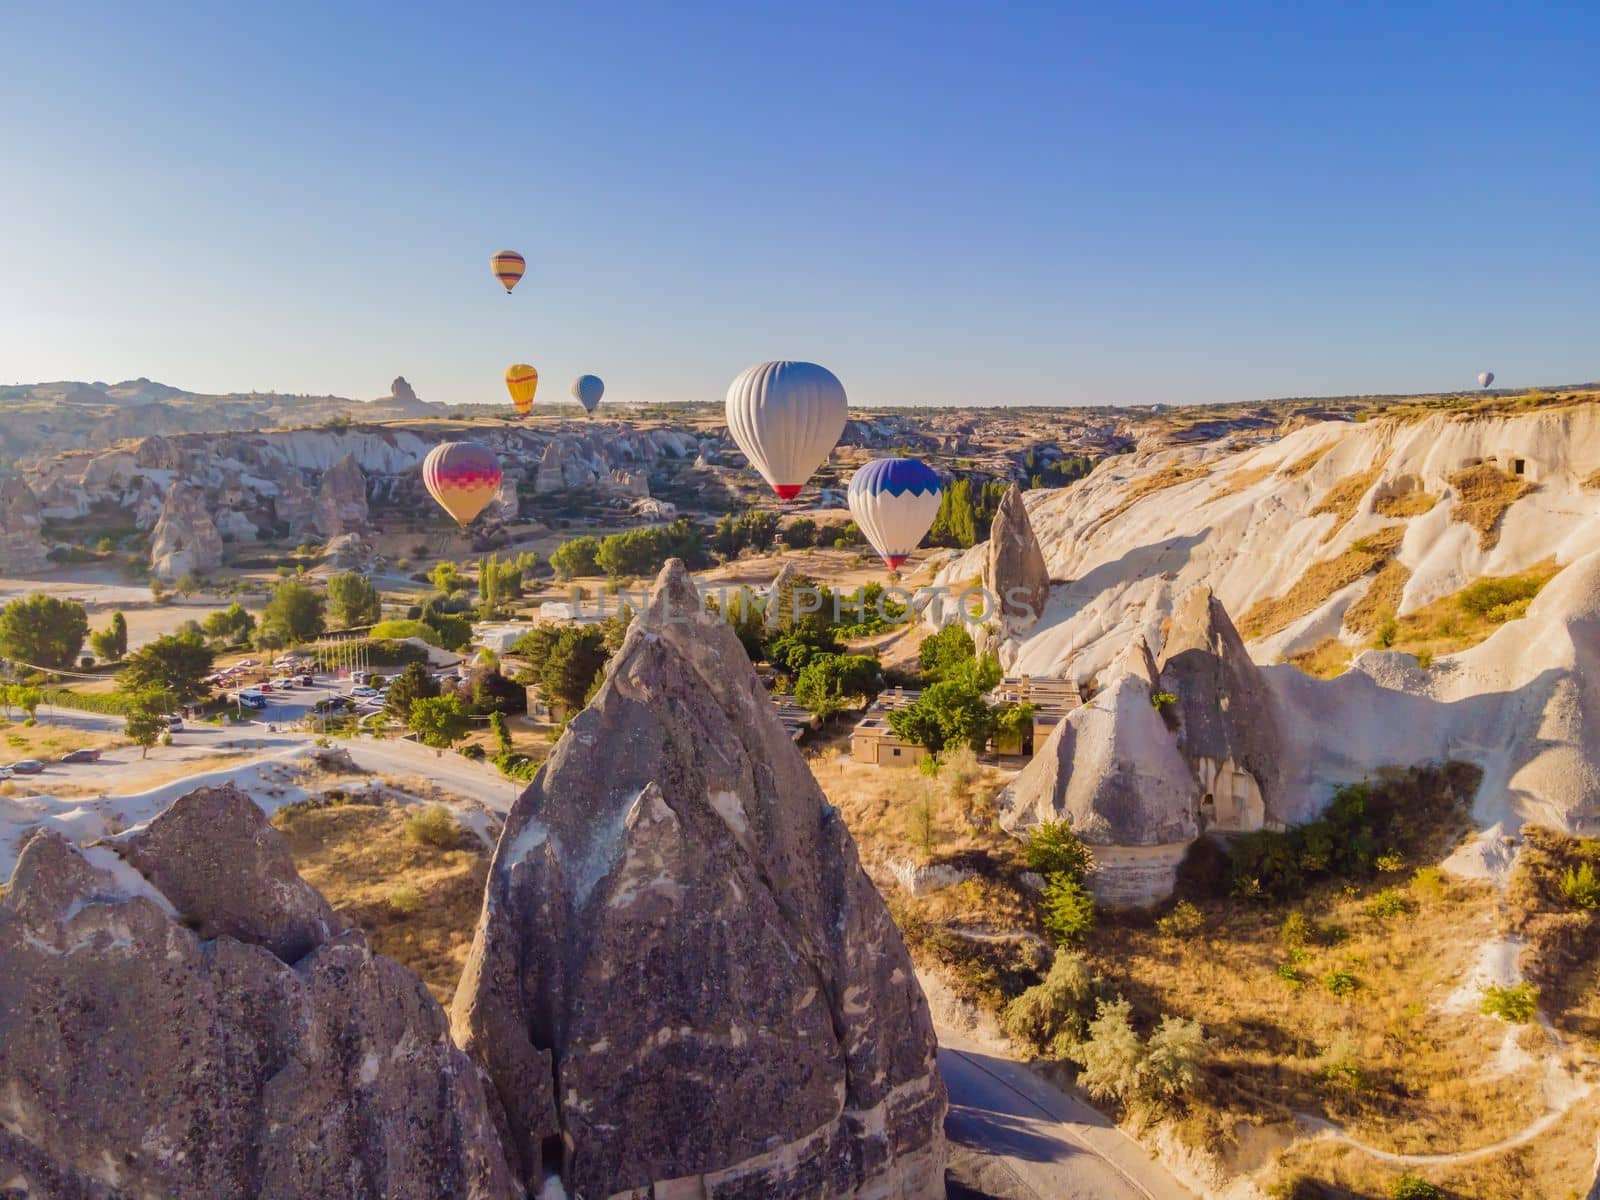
(447, 578)
(353, 600)
(574, 664)
(146, 721)
(1057, 1011)
(830, 683)
(111, 643)
(501, 731)
(229, 626)
(748, 616)
(439, 721)
(1068, 910)
(1054, 849)
(295, 613)
(25, 697)
(43, 631)
(947, 714)
(453, 632)
(579, 556)
(173, 666)
(405, 689)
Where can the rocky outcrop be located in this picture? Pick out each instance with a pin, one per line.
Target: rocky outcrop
(1014, 571)
(506, 507)
(185, 540)
(682, 978)
(182, 1016)
(21, 529)
(341, 505)
(1226, 719)
(234, 526)
(349, 552)
(294, 505)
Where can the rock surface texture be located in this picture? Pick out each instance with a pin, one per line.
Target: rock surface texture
(1014, 570)
(185, 540)
(682, 979)
(182, 1016)
(21, 542)
(341, 499)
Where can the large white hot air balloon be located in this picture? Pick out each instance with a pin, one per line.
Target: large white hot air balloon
(1485, 378)
(895, 500)
(786, 416)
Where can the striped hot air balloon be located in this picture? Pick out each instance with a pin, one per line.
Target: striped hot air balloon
(521, 380)
(508, 267)
(786, 416)
(463, 477)
(894, 501)
(587, 390)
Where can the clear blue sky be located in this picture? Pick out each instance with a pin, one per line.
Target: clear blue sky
(944, 203)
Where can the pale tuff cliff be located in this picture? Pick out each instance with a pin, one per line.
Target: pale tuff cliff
(22, 545)
(185, 540)
(182, 1016)
(681, 972)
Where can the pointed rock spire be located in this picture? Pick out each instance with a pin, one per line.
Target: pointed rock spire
(1014, 571)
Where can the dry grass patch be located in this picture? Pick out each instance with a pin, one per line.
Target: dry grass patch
(1327, 658)
(48, 742)
(1591, 482)
(1304, 463)
(416, 901)
(1157, 481)
(1320, 581)
(1462, 619)
(1553, 906)
(1404, 504)
(1344, 497)
(1380, 602)
(1483, 493)
(1240, 480)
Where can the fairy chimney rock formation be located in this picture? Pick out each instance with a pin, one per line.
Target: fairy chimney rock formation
(182, 1016)
(341, 505)
(1014, 571)
(21, 528)
(185, 540)
(1225, 716)
(677, 929)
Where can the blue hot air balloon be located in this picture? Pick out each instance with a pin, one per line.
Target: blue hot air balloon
(894, 501)
(587, 390)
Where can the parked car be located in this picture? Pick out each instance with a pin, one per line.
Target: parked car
(306, 680)
(5, 772)
(264, 686)
(282, 684)
(27, 766)
(81, 756)
(174, 723)
(252, 699)
(364, 693)
(246, 662)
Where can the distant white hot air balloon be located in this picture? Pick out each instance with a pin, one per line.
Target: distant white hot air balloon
(894, 501)
(1485, 378)
(786, 416)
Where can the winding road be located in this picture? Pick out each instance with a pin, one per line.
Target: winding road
(1045, 1143)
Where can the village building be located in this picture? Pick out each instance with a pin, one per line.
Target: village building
(1052, 698)
(874, 741)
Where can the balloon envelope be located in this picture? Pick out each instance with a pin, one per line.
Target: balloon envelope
(508, 267)
(463, 477)
(894, 501)
(587, 390)
(1485, 378)
(786, 416)
(521, 381)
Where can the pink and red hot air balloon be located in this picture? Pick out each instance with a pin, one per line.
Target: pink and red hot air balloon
(463, 477)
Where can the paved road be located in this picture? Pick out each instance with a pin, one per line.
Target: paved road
(1052, 1145)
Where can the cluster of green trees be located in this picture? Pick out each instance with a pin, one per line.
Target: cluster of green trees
(568, 662)
(953, 709)
(966, 510)
(1059, 473)
(353, 601)
(43, 631)
(500, 581)
(754, 527)
(111, 643)
(630, 553)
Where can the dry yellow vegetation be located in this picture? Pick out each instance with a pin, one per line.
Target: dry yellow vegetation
(1404, 504)
(1379, 601)
(1327, 658)
(1304, 463)
(1240, 480)
(1462, 619)
(1591, 481)
(1342, 499)
(416, 901)
(1320, 581)
(1169, 476)
(1484, 492)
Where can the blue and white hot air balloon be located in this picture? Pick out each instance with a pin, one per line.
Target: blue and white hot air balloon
(587, 390)
(894, 501)
(1485, 378)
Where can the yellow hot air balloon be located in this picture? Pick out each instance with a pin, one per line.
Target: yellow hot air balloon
(521, 380)
(508, 267)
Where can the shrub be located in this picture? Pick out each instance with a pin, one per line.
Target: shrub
(1296, 930)
(1428, 883)
(1116, 1065)
(1387, 904)
(1580, 888)
(1412, 1187)
(1068, 909)
(1341, 982)
(1054, 849)
(1171, 1066)
(1185, 920)
(1056, 1012)
(434, 826)
(405, 901)
(1517, 1003)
